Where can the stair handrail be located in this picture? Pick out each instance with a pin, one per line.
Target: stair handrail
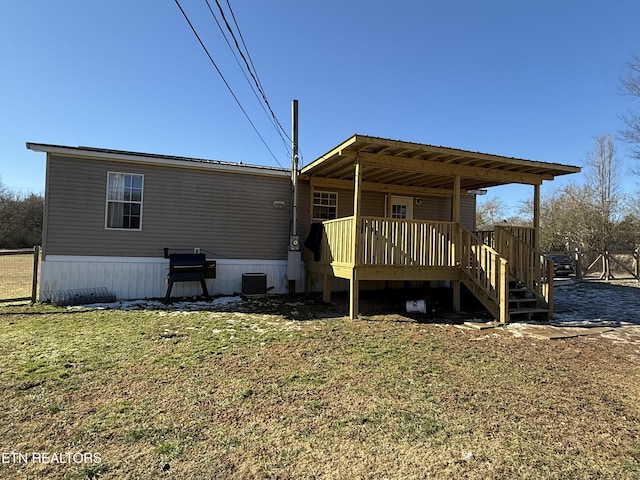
(487, 270)
(526, 264)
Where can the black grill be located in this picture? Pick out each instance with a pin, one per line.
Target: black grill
(190, 267)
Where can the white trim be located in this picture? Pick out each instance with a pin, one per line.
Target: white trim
(153, 159)
(106, 207)
(144, 277)
(105, 259)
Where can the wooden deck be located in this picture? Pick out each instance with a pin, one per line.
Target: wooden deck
(388, 249)
(376, 248)
(361, 247)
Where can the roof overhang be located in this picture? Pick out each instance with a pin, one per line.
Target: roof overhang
(155, 159)
(388, 164)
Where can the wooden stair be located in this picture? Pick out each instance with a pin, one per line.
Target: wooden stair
(523, 304)
(508, 276)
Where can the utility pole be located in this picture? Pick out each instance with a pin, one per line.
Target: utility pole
(294, 256)
(294, 165)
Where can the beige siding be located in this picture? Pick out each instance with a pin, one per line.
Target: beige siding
(433, 208)
(373, 205)
(227, 215)
(304, 212)
(468, 212)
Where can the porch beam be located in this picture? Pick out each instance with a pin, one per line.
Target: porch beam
(437, 168)
(321, 182)
(395, 272)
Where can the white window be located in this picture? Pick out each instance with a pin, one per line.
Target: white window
(325, 205)
(124, 201)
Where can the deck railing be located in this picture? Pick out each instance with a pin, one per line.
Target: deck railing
(526, 264)
(486, 236)
(410, 243)
(336, 245)
(525, 234)
(389, 242)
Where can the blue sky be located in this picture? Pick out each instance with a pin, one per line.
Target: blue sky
(530, 79)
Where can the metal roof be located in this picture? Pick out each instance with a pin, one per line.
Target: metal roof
(394, 162)
(155, 159)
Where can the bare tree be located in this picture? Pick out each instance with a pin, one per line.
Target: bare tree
(603, 179)
(592, 216)
(565, 219)
(489, 212)
(493, 210)
(631, 87)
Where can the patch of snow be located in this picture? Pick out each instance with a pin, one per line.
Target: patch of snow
(613, 304)
(176, 307)
(597, 304)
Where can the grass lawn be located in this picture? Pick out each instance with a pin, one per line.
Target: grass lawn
(259, 393)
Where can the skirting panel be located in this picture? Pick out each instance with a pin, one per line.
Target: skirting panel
(137, 278)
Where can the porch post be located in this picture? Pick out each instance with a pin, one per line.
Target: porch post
(537, 271)
(455, 217)
(354, 284)
(536, 217)
(455, 207)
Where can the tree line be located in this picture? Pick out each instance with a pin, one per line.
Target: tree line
(20, 219)
(595, 215)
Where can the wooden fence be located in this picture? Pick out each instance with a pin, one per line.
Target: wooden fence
(608, 265)
(19, 274)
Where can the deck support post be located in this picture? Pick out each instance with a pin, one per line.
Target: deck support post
(307, 280)
(457, 239)
(549, 274)
(354, 294)
(456, 295)
(326, 288)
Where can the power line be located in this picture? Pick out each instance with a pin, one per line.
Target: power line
(243, 43)
(251, 71)
(225, 81)
(253, 89)
(300, 155)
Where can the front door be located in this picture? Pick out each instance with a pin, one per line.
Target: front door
(402, 207)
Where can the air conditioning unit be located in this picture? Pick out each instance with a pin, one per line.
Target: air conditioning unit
(254, 284)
